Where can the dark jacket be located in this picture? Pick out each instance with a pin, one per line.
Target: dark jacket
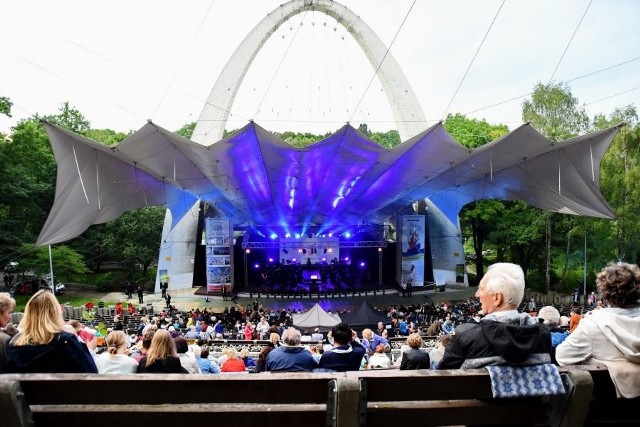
(414, 358)
(494, 340)
(170, 365)
(64, 354)
(342, 358)
(290, 359)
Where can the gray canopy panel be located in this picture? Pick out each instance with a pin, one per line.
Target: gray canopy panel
(255, 178)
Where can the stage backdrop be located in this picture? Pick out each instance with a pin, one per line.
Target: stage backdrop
(413, 232)
(218, 254)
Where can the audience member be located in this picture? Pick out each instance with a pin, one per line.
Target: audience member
(575, 318)
(233, 362)
(437, 353)
(370, 341)
(503, 335)
(415, 357)
(379, 360)
(7, 304)
(261, 364)
(248, 360)
(188, 363)
(115, 360)
(551, 317)
(202, 358)
(144, 345)
(248, 331)
(161, 357)
(613, 333)
(290, 356)
(42, 345)
(346, 354)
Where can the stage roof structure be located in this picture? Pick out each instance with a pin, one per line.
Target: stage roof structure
(255, 178)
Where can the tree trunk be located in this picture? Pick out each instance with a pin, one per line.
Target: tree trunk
(478, 241)
(547, 273)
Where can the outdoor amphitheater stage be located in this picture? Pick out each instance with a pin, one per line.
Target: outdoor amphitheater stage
(314, 289)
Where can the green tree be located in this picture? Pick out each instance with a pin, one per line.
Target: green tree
(134, 238)
(68, 265)
(106, 136)
(5, 106)
(70, 118)
(555, 112)
(477, 219)
(473, 133)
(187, 130)
(27, 182)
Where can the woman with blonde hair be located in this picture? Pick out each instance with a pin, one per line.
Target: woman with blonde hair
(115, 360)
(161, 357)
(233, 363)
(42, 346)
(274, 339)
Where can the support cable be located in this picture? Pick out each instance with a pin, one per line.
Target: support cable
(446, 110)
(181, 62)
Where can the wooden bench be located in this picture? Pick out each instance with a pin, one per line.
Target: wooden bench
(367, 398)
(168, 400)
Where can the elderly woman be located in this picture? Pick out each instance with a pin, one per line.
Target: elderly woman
(42, 346)
(415, 357)
(7, 304)
(613, 333)
(115, 360)
(551, 317)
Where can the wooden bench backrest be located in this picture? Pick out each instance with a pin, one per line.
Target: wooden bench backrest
(452, 397)
(371, 398)
(154, 399)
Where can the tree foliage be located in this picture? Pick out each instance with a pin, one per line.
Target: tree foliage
(134, 238)
(555, 112)
(5, 106)
(68, 265)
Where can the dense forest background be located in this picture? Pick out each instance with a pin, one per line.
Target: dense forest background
(549, 246)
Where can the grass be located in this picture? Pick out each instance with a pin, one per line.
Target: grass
(21, 301)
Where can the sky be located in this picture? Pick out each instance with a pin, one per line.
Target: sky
(121, 63)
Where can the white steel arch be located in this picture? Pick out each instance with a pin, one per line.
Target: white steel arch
(409, 116)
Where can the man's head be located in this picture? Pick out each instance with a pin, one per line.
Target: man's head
(341, 334)
(501, 288)
(291, 337)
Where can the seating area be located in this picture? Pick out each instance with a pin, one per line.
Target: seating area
(371, 398)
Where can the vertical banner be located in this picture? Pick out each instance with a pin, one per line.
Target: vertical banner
(413, 232)
(218, 254)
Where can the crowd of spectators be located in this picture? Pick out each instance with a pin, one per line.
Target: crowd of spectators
(491, 329)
